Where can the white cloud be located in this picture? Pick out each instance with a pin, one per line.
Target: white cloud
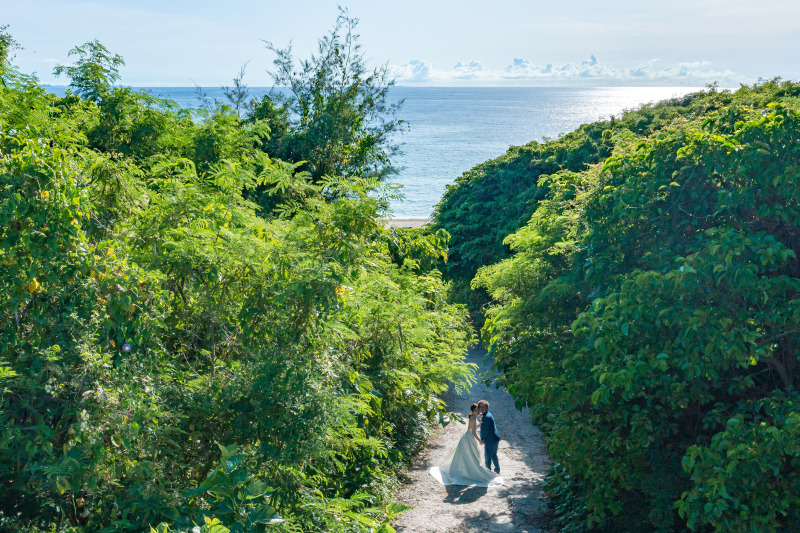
(415, 71)
(522, 71)
(466, 71)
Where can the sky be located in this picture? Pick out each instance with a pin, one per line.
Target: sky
(425, 43)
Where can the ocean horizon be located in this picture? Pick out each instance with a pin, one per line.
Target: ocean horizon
(453, 129)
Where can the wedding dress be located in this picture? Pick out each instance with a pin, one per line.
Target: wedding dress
(463, 465)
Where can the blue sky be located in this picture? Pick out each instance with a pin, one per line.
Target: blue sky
(447, 43)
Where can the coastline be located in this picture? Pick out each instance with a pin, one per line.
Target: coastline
(406, 222)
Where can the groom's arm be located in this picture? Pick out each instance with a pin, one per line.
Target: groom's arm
(488, 423)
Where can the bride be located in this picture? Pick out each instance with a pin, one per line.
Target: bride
(463, 465)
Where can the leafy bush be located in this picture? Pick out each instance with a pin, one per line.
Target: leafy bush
(497, 198)
(172, 355)
(649, 313)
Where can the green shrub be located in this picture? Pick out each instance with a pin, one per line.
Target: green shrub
(650, 313)
(172, 355)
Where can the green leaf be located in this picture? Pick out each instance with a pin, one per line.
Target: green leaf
(395, 509)
(213, 525)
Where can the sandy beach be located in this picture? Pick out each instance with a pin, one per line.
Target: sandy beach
(406, 222)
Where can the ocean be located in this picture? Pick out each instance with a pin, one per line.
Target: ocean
(452, 129)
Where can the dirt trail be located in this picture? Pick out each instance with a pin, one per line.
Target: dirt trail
(519, 506)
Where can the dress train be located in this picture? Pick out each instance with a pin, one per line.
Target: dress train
(463, 465)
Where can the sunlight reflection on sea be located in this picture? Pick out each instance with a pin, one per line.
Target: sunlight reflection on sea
(454, 129)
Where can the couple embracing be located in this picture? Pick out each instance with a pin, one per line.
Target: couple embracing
(464, 465)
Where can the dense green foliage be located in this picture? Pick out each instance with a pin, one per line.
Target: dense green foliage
(496, 198)
(650, 312)
(505, 191)
(172, 354)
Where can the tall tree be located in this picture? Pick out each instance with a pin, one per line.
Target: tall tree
(95, 72)
(337, 114)
(7, 44)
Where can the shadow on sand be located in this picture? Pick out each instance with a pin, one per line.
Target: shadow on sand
(461, 494)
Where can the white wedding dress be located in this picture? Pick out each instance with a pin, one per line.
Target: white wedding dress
(463, 465)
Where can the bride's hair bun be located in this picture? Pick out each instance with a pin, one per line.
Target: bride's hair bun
(473, 407)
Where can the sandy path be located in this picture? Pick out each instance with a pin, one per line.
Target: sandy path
(519, 506)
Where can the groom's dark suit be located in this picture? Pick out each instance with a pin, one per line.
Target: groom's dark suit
(490, 439)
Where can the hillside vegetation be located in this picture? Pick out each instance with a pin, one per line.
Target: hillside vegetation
(644, 299)
(196, 335)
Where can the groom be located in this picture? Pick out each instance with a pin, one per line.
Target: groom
(489, 436)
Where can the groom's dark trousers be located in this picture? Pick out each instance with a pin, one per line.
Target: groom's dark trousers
(491, 439)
